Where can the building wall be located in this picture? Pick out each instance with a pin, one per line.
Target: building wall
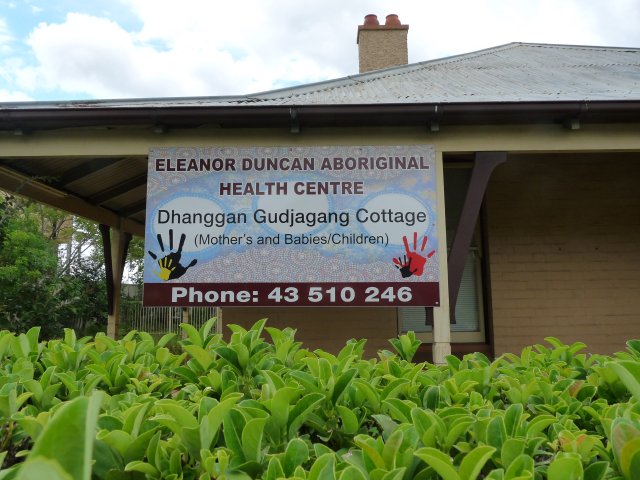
(326, 328)
(564, 244)
(516, 303)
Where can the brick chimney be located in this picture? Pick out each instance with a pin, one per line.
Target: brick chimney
(382, 46)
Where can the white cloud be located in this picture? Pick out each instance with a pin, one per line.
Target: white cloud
(438, 29)
(204, 47)
(179, 54)
(85, 54)
(270, 35)
(14, 96)
(5, 37)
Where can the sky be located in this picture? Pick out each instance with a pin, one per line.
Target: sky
(112, 49)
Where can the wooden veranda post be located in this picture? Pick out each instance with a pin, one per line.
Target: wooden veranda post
(483, 166)
(115, 243)
(441, 326)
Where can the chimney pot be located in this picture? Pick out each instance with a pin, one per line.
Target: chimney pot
(381, 46)
(392, 21)
(371, 20)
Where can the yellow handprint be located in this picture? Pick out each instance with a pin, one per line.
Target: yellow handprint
(170, 267)
(166, 268)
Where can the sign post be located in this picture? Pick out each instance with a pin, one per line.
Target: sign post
(292, 226)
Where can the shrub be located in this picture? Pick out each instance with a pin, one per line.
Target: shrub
(202, 408)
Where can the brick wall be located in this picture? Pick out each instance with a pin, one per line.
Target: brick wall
(564, 244)
(382, 47)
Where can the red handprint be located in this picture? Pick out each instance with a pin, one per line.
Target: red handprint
(412, 263)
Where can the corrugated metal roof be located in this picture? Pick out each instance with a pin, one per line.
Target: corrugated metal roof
(516, 72)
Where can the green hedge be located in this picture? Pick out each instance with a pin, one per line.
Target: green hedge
(203, 408)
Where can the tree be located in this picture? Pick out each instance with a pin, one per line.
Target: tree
(28, 268)
(41, 286)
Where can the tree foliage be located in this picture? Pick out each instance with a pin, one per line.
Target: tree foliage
(51, 270)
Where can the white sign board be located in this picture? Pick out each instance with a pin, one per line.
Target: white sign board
(329, 225)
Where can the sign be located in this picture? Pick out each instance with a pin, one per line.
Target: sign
(291, 226)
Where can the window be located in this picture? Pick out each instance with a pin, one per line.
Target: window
(469, 326)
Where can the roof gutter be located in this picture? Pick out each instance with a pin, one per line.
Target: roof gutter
(29, 118)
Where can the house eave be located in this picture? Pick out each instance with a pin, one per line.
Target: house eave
(45, 117)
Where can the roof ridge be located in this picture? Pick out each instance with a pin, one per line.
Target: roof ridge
(400, 70)
(332, 84)
(434, 79)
